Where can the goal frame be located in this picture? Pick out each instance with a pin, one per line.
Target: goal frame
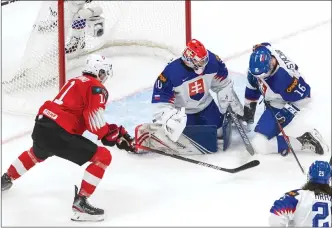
(61, 36)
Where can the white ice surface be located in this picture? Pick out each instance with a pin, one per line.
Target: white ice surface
(156, 190)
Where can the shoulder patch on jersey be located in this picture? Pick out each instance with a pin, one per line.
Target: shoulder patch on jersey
(96, 90)
(100, 90)
(292, 193)
(293, 85)
(162, 78)
(218, 58)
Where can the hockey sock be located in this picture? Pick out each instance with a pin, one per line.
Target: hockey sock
(283, 146)
(22, 164)
(95, 171)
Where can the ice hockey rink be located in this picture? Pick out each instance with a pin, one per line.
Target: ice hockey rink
(154, 190)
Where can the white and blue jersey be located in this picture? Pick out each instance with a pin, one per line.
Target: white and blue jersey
(302, 208)
(284, 86)
(179, 86)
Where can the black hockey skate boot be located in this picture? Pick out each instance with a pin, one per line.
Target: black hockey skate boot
(6, 182)
(83, 211)
(313, 141)
(74, 44)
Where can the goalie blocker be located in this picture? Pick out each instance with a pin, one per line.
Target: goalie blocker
(195, 139)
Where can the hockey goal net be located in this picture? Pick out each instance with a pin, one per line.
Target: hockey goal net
(158, 28)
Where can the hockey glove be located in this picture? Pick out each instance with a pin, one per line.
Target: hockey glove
(249, 115)
(287, 113)
(125, 142)
(173, 121)
(112, 137)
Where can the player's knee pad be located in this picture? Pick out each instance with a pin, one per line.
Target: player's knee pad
(102, 155)
(262, 145)
(34, 157)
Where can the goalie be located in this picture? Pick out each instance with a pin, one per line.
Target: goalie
(186, 118)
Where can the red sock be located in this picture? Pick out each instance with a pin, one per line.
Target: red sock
(23, 163)
(95, 171)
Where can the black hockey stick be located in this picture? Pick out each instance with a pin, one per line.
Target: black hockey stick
(7, 2)
(242, 132)
(247, 165)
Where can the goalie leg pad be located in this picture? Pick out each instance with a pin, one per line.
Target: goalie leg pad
(152, 136)
(204, 135)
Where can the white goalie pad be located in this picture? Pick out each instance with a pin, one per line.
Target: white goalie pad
(153, 136)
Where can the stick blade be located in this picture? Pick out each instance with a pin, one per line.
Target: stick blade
(248, 165)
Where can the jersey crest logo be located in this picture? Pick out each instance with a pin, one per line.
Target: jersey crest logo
(196, 89)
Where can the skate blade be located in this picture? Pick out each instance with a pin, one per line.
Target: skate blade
(6, 188)
(319, 137)
(84, 217)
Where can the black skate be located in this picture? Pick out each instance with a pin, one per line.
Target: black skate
(313, 141)
(74, 44)
(83, 211)
(6, 182)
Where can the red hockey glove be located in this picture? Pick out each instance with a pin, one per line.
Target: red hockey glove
(112, 137)
(118, 136)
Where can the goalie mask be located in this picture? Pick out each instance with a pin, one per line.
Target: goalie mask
(99, 66)
(195, 56)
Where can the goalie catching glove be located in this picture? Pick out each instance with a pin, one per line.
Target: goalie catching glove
(118, 136)
(173, 121)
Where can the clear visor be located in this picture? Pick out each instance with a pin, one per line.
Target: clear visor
(104, 74)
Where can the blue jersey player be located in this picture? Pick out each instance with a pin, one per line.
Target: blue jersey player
(181, 94)
(274, 76)
(309, 206)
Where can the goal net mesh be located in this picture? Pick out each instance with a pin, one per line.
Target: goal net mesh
(154, 28)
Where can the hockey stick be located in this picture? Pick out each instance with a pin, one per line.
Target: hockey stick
(7, 2)
(247, 165)
(284, 136)
(267, 104)
(242, 132)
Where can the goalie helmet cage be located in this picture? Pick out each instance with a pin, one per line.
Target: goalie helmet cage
(158, 28)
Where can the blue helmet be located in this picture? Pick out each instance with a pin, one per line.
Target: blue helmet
(320, 172)
(259, 63)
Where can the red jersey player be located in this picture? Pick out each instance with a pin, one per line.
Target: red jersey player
(58, 130)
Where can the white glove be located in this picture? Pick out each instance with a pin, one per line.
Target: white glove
(226, 97)
(173, 121)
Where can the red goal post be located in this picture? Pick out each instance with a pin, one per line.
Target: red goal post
(160, 28)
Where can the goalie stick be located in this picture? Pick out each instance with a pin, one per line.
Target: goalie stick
(247, 165)
(242, 132)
